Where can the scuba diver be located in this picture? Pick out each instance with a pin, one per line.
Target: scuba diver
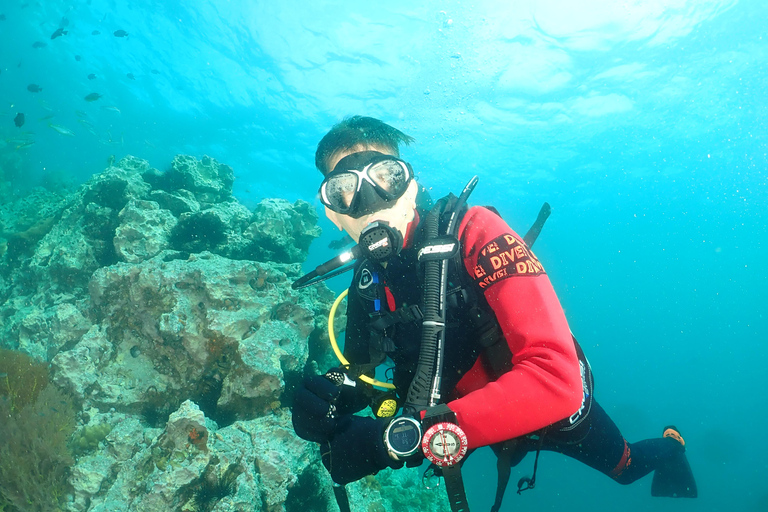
(481, 350)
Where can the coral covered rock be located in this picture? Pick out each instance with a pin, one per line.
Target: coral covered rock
(143, 231)
(209, 181)
(281, 231)
(224, 332)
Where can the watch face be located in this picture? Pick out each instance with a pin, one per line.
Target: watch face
(403, 436)
(444, 444)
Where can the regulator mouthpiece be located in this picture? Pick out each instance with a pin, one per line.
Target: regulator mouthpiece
(379, 241)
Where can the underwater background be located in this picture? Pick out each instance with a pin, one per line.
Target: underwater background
(641, 122)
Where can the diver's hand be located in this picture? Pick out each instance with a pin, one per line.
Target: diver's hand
(314, 409)
(357, 449)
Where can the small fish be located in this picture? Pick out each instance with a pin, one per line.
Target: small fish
(64, 22)
(113, 109)
(3, 375)
(81, 113)
(112, 140)
(78, 58)
(62, 130)
(19, 120)
(25, 137)
(93, 96)
(2, 17)
(154, 72)
(92, 76)
(130, 76)
(45, 118)
(34, 88)
(39, 44)
(95, 33)
(121, 33)
(44, 105)
(24, 145)
(59, 32)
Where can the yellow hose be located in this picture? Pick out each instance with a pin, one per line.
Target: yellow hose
(335, 346)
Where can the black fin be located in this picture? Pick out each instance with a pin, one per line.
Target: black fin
(533, 233)
(674, 479)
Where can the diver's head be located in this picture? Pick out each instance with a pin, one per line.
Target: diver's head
(368, 186)
(354, 134)
(365, 180)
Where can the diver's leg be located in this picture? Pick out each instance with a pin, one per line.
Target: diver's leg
(605, 449)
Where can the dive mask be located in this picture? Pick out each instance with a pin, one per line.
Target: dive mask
(365, 182)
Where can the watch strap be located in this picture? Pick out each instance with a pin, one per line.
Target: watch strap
(436, 414)
(454, 486)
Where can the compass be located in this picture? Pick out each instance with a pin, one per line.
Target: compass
(444, 444)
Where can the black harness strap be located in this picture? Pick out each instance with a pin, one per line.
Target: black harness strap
(342, 499)
(525, 483)
(509, 454)
(410, 313)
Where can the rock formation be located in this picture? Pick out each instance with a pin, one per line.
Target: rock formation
(165, 309)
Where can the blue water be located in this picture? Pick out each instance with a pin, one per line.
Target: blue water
(641, 123)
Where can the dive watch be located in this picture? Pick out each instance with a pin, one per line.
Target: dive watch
(402, 437)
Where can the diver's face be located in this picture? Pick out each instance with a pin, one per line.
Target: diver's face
(398, 216)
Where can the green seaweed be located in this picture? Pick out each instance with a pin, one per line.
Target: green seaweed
(38, 420)
(21, 379)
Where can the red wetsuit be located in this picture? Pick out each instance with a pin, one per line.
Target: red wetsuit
(544, 385)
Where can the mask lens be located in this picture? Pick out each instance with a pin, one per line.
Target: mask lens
(340, 189)
(390, 176)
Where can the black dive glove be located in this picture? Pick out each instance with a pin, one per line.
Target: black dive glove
(357, 449)
(318, 403)
(314, 409)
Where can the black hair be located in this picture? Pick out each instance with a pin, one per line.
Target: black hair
(354, 131)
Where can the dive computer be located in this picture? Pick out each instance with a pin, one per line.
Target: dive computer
(402, 437)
